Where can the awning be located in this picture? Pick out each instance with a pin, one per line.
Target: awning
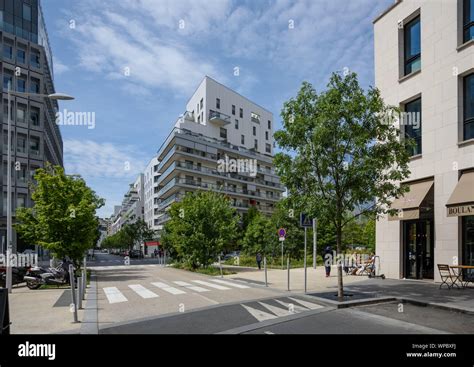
(461, 202)
(409, 204)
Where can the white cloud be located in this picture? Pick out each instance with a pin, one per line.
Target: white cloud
(102, 160)
(59, 67)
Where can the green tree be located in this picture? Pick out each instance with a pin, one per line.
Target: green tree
(344, 153)
(200, 227)
(260, 237)
(135, 233)
(286, 217)
(63, 218)
(369, 234)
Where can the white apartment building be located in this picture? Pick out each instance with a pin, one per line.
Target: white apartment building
(424, 63)
(223, 142)
(150, 196)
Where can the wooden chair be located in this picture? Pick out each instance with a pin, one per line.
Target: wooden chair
(447, 276)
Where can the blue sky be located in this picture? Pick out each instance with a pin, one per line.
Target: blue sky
(168, 46)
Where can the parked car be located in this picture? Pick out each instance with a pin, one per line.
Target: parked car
(231, 255)
(136, 254)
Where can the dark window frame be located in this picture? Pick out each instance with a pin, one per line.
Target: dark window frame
(467, 120)
(418, 149)
(408, 62)
(467, 24)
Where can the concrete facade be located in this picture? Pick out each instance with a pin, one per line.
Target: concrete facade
(445, 61)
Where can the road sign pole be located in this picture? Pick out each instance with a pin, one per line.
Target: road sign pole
(282, 242)
(315, 238)
(305, 254)
(288, 269)
(265, 269)
(73, 291)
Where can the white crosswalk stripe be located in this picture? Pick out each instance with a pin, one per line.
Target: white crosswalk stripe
(235, 285)
(142, 291)
(190, 286)
(310, 305)
(165, 287)
(258, 314)
(280, 312)
(295, 308)
(215, 286)
(114, 295)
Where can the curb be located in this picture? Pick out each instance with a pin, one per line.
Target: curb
(90, 322)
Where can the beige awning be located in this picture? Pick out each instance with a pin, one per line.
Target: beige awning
(461, 202)
(409, 204)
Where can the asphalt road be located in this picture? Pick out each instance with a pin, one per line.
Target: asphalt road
(102, 259)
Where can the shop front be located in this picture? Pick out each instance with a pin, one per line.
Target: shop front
(415, 211)
(461, 205)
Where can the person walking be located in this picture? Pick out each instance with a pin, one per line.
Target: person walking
(328, 259)
(259, 261)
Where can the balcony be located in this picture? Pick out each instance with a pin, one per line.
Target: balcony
(218, 118)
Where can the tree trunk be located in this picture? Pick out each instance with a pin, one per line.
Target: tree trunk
(340, 286)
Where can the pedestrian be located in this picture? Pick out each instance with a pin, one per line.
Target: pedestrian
(156, 253)
(259, 261)
(328, 260)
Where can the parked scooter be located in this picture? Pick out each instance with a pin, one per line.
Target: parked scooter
(17, 276)
(38, 276)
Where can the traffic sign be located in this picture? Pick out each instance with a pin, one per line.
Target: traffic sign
(305, 221)
(282, 232)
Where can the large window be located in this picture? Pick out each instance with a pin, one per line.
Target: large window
(468, 20)
(7, 50)
(412, 122)
(35, 116)
(468, 127)
(34, 85)
(468, 242)
(223, 133)
(412, 46)
(7, 78)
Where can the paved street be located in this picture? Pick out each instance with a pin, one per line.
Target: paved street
(102, 259)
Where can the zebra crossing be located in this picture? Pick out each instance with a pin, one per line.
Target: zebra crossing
(114, 295)
(276, 308)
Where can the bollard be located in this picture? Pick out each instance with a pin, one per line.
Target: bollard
(288, 268)
(84, 284)
(220, 267)
(265, 268)
(73, 291)
(79, 293)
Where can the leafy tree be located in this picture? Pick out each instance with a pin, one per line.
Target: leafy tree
(201, 225)
(63, 218)
(260, 237)
(343, 153)
(286, 217)
(135, 233)
(369, 234)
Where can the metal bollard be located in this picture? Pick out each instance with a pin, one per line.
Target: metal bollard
(220, 267)
(265, 267)
(288, 267)
(73, 291)
(84, 284)
(79, 292)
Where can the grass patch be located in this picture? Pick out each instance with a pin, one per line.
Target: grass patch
(210, 270)
(273, 262)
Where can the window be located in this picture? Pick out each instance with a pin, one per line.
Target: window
(21, 200)
(21, 114)
(21, 143)
(254, 131)
(201, 103)
(468, 242)
(255, 117)
(241, 113)
(35, 116)
(7, 78)
(233, 110)
(27, 12)
(468, 20)
(199, 119)
(412, 125)
(266, 135)
(242, 139)
(218, 103)
(21, 55)
(21, 85)
(34, 85)
(255, 144)
(8, 50)
(21, 174)
(35, 58)
(269, 125)
(34, 145)
(5, 142)
(223, 133)
(412, 44)
(268, 148)
(468, 128)
(237, 124)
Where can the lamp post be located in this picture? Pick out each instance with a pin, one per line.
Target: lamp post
(55, 96)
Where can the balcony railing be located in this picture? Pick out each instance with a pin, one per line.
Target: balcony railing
(219, 118)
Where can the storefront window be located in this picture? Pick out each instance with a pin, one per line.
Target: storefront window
(468, 242)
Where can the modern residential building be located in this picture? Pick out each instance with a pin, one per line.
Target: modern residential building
(132, 209)
(424, 63)
(26, 65)
(150, 195)
(223, 142)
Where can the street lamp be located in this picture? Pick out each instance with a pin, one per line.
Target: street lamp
(56, 97)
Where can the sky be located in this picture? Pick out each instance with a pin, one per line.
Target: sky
(132, 65)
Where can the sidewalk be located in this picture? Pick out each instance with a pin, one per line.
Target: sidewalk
(42, 311)
(316, 278)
